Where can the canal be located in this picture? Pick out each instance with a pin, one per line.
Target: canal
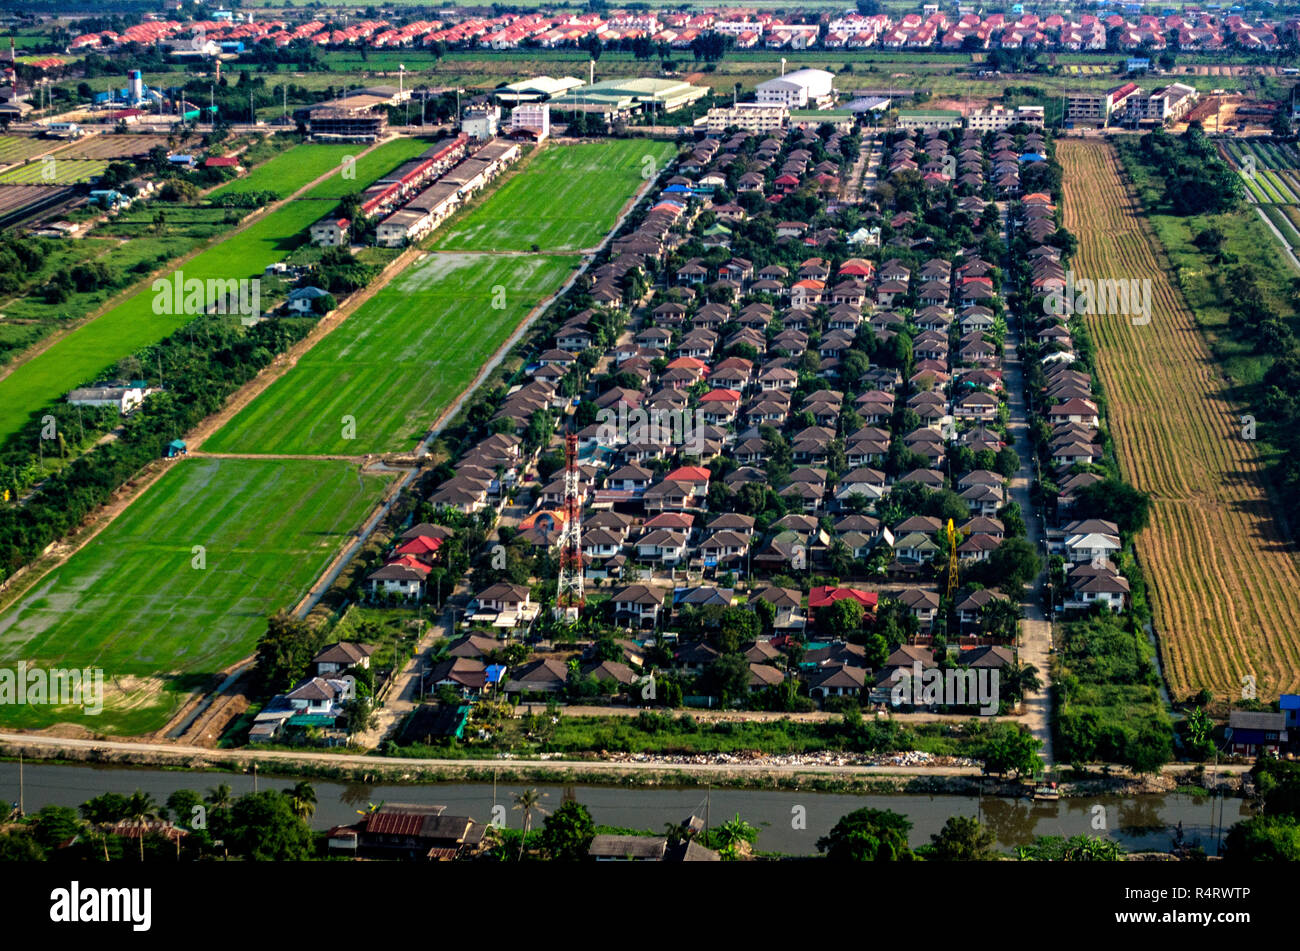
(788, 822)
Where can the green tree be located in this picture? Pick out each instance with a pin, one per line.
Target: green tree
(1017, 680)
(728, 677)
(842, 619)
(963, 839)
(1015, 563)
(264, 828)
(1012, 750)
(738, 625)
(285, 650)
(105, 809)
(19, 846)
(868, 835)
(1151, 749)
(54, 825)
(1263, 839)
(567, 833)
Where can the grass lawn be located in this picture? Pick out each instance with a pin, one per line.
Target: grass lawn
(287, 172)
(132, 325)
(133, 602)
(399, 361)
(567, 198)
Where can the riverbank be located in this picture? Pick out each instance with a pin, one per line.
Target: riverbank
(752, 773)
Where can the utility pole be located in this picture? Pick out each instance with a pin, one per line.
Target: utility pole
(21, 787)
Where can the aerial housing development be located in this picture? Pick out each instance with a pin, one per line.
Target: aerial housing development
(575, 433)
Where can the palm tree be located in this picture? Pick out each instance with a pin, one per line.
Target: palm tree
(1020, 679)
(528, 800)
(1001, 618)
(141, 809)
(302, 799)
(219, 797)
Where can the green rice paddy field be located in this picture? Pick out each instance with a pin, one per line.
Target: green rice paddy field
(133, 325)
(287, 172)
(393, 366)
(134, 603)
(399, 361)
(566, 200)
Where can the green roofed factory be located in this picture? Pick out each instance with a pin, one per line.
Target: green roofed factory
(626, 96)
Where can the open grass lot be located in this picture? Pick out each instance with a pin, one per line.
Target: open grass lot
(133, 603)
(566, 200)
(1222, 574)
(379, 161)
(399, 361)
(287, 172)
(57, 171)
(131, 325)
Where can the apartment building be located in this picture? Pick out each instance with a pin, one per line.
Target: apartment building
(996, 118)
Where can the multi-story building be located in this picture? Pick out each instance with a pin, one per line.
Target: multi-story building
(996, 118)
(531, 117)
(1159, 106)
(750, 116)
(1096, 108)
(927, 119)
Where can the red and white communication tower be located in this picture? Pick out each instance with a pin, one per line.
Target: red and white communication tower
(569, 594)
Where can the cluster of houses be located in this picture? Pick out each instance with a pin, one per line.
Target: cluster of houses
(1068, 406)
(747, 29)
(741, 434)
(827, 667)
(316, 703)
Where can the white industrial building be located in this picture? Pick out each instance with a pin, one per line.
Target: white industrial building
(801, 89)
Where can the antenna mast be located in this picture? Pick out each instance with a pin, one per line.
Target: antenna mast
(569, 593)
